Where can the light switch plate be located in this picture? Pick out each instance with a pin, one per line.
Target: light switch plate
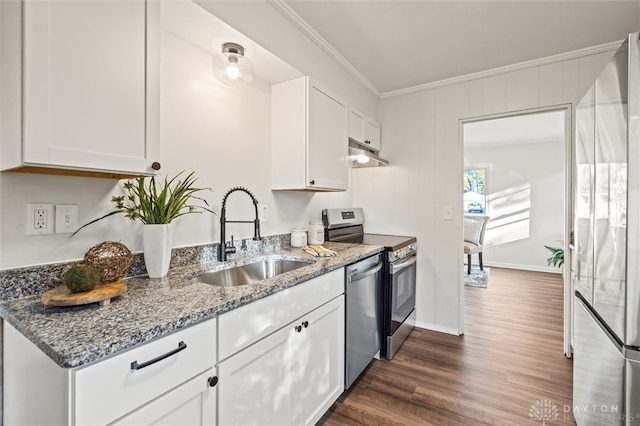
(447, 212)
(263, 210)
(66, 218)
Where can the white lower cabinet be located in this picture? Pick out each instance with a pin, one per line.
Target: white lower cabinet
(319, 361)
(280, 361)
(170, 380)
(190, 404)
(290, 377)
(256, 384)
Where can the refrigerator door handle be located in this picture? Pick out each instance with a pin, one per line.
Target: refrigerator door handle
(594, 316)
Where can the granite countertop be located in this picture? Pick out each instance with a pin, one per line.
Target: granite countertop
(151, 308)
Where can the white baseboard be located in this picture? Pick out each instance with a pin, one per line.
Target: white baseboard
(534, 268)
(438, 328)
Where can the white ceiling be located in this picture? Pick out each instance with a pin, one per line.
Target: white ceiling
(397, 44)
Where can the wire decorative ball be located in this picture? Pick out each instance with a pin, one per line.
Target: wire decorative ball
(111, 259)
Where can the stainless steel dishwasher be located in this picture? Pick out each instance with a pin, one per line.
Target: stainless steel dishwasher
(363, 321)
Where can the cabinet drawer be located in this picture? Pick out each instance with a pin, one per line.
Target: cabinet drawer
(112, 388)
(241, 327)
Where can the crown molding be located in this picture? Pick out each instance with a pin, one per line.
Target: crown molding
(574, 54)
(302, 25)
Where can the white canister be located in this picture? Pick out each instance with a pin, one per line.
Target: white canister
(316, 232)
(298, 238)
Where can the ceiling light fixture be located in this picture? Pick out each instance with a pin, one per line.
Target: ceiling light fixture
(231, 67)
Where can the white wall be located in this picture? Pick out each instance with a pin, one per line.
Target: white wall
(525, 188)
(420, 134)
(222, 132)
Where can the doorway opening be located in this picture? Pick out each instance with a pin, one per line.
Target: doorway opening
(516, 174)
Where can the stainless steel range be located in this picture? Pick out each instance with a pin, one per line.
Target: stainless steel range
(397, 316)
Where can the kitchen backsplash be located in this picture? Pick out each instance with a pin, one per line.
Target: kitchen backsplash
(35, 280)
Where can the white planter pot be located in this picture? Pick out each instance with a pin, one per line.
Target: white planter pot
(157, 249)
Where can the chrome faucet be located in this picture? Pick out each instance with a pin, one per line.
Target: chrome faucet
(223, 248)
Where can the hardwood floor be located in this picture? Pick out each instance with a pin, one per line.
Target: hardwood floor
(508, 363)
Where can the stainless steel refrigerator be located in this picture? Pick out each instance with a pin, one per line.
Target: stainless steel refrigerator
(606, 261)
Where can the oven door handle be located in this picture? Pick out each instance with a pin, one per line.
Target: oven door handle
(395, 268)
(365, 274)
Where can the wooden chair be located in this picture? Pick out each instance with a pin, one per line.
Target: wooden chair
(474, 227)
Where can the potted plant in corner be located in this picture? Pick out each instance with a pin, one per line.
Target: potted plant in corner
(156, 205)
(557, 256)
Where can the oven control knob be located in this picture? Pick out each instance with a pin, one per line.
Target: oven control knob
(399, 254)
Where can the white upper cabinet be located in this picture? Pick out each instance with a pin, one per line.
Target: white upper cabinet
(372, 134)
(309, 130)
(89, 72)
(364, 129)
(356, 124)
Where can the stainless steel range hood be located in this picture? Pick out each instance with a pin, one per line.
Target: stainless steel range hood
(361, 155)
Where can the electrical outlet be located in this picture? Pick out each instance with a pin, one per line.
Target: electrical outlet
(263, 213)
(66, 218)
(39, 219)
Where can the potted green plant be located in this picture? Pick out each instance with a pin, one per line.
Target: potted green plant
(557, 256)
(156, 204)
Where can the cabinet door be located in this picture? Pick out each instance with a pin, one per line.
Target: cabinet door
(86, 90)
(327, 141)
(163, 364)
(319, 357)
(372, 134)
(356, 124)
(191, 404)
(255, 384)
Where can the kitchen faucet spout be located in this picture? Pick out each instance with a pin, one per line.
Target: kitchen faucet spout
(223, 248)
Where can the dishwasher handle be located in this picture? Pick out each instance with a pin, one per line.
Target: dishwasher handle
(366, 273)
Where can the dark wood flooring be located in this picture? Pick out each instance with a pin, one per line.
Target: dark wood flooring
(507, 366)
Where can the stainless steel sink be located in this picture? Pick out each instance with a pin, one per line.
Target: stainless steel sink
(250, 273)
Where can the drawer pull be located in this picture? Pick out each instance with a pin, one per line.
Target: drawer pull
(135, 366)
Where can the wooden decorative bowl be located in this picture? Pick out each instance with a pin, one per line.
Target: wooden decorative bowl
(102, 293)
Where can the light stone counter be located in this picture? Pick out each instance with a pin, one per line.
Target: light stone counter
(152, 308)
